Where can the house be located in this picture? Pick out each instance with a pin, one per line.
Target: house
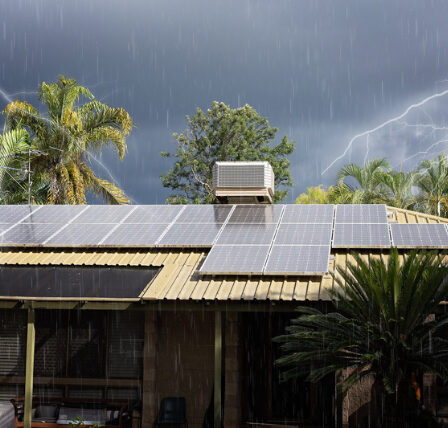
(145, 302)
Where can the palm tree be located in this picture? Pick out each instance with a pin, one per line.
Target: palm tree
(15, 188)
(433, 183)
(67, 137)
(399, 186)
(367, 179)
(381, 330)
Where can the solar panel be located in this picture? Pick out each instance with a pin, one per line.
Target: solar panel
(419, 235)
(80, 234)
(358, 235)
(153, 214)
(256, 214)
(361, 214)
(235, 234)
(319, 213)
(5, 226)
(298, 260)
(135, 235)
(204, 214)
(104, 214)
(191, 235)
(31, 234)
(238, 259)
(304, 234)
(74, 281)
(54, 214)
(14, 213)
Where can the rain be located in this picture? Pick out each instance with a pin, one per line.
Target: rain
(348, 81)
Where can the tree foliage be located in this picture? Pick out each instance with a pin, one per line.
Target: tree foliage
(381, 330)
(423, 189)
(66, 138)
(223, 134)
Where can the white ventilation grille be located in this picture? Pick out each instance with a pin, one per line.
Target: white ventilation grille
(243, 179)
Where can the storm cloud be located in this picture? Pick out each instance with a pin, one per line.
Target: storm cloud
(321, 72)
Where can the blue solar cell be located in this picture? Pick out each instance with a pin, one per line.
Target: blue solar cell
(238, 259)
(251, 233)
(419, 235)
(135, 235)
(298, 260)
(358, 235)
(304, 234)
(361, 214)
(319, 213)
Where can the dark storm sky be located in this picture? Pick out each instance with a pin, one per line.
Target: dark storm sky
(321, 71)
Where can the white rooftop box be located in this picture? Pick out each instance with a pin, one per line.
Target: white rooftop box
(243, 182)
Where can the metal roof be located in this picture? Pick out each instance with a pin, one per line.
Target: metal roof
(178, 279)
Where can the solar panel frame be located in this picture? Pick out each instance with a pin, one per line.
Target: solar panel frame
(80, 234)
(247, 234)
(308, 213)
(310, 260)
(361, 235)
(304, 234)
(190, 235)
(247, 214)
(12, 214)
(101, 214)
(61, 214)
(144, 214)
(235, 260)
(361, 213)
(134, 235)
(29, 234)
(204, 214)
(419, 235)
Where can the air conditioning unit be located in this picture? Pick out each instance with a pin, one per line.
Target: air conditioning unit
(243, 182)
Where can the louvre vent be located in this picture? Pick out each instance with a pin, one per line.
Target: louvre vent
(243, 182)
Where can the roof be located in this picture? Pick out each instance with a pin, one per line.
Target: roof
(178, 279)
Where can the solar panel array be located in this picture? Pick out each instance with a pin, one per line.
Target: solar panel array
(273, 239)
(244, 239)
(103, 225)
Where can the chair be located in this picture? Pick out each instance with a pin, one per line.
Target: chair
(172, 412)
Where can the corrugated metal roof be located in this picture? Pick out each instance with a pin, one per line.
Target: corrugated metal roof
(179, 280)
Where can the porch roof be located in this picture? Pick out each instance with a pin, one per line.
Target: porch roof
(178, 279)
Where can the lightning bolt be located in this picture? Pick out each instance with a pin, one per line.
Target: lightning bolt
(395, 119)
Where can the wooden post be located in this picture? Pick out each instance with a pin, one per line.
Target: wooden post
(30, 341)
(150, 404)
(218, 370)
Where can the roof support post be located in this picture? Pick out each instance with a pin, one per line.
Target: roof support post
(218, 371)
(30, 342)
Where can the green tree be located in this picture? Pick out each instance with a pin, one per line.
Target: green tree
(381, 330)
(223, 134)
(368, 179)
(313, 195)
(398, 186)
(67, 136)
(433, 183)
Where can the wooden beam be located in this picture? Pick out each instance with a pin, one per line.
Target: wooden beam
(30, 342)
(218, 371)
(77, 381)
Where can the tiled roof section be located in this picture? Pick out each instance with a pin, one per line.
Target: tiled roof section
(178, 279)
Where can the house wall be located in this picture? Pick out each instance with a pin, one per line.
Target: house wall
(184, 361)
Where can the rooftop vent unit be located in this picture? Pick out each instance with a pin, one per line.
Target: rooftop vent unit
(243, 182)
